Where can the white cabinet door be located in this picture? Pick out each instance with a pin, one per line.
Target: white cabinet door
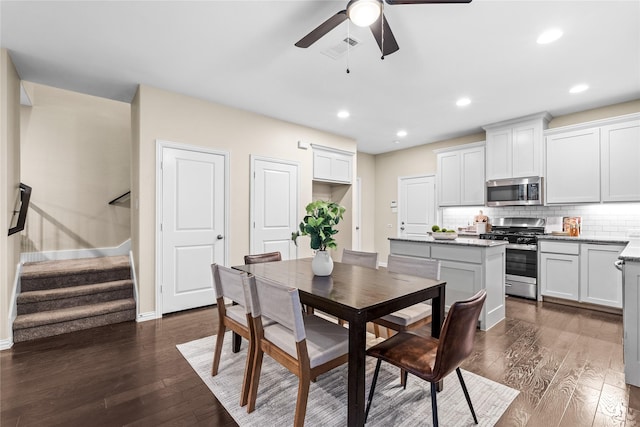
(620, 159)
(631, 321)
(449, 176)
(499, 154)
(332, 165)
(526, 150)
(461, 177)
(573, 167)
(472, 180)
(600, 281)
(559, 276)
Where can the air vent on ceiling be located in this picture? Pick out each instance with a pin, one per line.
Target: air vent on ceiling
(341, 48)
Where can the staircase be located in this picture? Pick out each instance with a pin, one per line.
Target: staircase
(65, 296)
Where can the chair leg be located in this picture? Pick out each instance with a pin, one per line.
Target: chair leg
(301, 403)
(376, 330)
(218, 350)
(246, 382)
(373, 386)
(403, 378)
(388, 332)
(434, 404)
(255, 379)
(466, 395)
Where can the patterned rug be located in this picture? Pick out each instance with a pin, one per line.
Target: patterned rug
(392, 406)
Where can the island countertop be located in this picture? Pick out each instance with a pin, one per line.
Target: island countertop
(460, 241)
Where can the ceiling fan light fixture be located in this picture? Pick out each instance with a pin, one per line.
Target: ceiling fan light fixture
(363, 13)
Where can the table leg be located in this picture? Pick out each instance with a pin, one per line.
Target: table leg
(356, 379)
(437, 318)
(235, 340)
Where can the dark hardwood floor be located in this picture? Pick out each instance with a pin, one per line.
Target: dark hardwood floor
(567, 363)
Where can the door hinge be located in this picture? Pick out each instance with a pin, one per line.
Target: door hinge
(160, 226)
(160, 288)
(161, 165)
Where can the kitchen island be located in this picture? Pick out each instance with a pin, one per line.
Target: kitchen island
(467, 265)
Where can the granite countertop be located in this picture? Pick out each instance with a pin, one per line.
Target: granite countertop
(460, 241)
(630, 253)
(587, 239)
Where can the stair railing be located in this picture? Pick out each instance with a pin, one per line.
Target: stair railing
(25, 196)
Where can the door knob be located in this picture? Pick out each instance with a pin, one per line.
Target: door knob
(220, 237)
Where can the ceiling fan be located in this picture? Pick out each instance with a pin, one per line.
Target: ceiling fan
(366, 13)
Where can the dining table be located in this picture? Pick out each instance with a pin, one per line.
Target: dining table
(357, 295)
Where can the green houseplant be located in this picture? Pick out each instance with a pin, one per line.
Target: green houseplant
(319, 224)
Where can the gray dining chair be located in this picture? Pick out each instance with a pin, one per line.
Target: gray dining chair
(306, 345)
(230, 283)
(419, 314)
(364, 259)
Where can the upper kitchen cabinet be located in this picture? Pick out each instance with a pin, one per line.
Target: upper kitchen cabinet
(461, 180)
(620, 160)
(514, 148)
(332, 165)
(594, 162)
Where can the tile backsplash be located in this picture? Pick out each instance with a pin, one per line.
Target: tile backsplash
(598, 220)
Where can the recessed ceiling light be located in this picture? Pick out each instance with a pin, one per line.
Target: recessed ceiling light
(401, 133)
(396, 142)
(549, 36)
(579, 88)
(343, 114)
(463, 102)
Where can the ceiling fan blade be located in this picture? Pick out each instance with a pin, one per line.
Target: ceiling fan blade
(389, 44)
(322, 29)
(425, 1)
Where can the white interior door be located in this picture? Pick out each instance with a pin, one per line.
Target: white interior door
(192, 226)
(416, 205)
(274, 206)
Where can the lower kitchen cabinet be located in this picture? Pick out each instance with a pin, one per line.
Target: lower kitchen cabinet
(560, 276)
(582, 272)
(600, 282)
(631, 321)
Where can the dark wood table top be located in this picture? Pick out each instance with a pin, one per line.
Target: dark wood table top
(352, 287)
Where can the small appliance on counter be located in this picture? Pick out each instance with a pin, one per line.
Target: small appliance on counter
(481, 222)
(572, 225)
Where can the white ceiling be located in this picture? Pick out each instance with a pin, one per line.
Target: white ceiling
(242, 54)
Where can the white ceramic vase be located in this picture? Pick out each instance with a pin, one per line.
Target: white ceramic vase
(322, 264)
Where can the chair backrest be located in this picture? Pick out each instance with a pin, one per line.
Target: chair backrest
(421, 267)
(265, 257)
(457, 334)
(230, 283)
(277, 302)
(363, 259)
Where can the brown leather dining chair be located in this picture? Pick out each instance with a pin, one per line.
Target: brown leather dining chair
(265, 257)
(430, 358)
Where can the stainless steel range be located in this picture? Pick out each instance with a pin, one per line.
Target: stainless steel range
(521, 253)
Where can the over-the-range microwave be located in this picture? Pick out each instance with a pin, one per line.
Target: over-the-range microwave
(515, 192)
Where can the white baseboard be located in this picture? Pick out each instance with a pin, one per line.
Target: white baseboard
(150, 315)
(382, 264)
(123, 249)
(6, 344)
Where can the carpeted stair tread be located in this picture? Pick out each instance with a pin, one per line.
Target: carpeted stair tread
(73, 313)
(73, 266)
(74, 291)
(44, 275)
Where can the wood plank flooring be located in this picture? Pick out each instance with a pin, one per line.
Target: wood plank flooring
(567, 363)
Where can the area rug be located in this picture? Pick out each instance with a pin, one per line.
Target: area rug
(392, 406)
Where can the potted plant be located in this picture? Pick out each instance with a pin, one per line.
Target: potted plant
(319, 224)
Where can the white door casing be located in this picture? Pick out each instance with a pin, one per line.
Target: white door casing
(192, 212)
(416, 205)
(274, 206)
(357, 233)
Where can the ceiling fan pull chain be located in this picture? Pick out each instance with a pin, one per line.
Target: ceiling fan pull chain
(348, 44)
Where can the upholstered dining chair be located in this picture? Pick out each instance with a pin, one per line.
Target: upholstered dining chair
(265, 257)
(364, 259)
(430, 358)
(306, 345)
(418, 314)
(230, 283)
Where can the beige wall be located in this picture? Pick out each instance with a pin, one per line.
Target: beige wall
(9, 186)
(76, 157)
(182, 119)
(367, 175)
(596, 113)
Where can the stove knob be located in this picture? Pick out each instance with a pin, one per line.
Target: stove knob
(505, 238)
